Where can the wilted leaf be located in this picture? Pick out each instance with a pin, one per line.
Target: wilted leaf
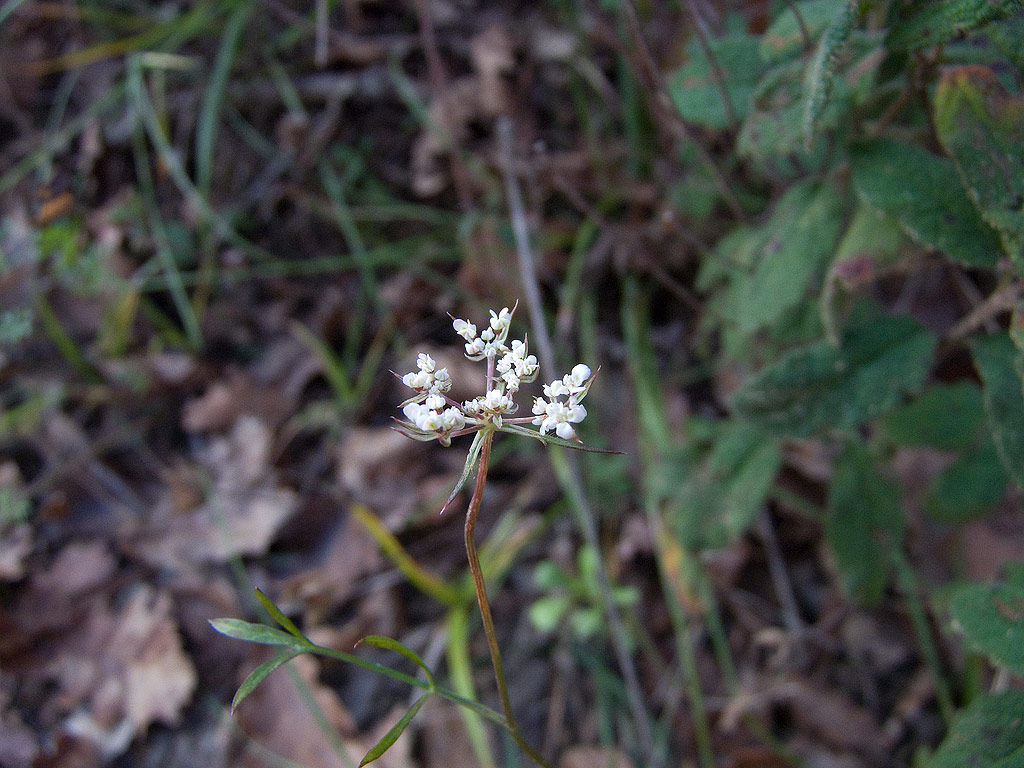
(923, 192)
(818, 386)
(988, 734)
(865, 523)
(981, 126)
(995, 357)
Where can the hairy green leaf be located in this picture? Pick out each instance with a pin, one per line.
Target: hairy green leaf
(949, 417)
(819, 386)
(991, 617)
(822, 71)
(865, 523)
(802, 237)
(923, 192)
(932, 23)
(981, 126)
(693, 88)
(970, 486)
(996, 360)
(988, 734)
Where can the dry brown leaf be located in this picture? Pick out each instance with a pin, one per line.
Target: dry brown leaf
(594, 757)
(242, 515)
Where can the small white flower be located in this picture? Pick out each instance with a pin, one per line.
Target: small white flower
(452, 419)
(418, 380)
(425, 362)
(555, 389)
(442, 380)
(579, 375)
(465, 329)
(500, 321)
(434, 402)
(475, 349)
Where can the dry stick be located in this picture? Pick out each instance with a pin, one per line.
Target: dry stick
(667, 115)
(485, 607)
(585, 515)
(438, 81)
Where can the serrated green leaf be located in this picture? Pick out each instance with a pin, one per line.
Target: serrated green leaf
(260, 674)
(818, 386)
(969, 487)
(865, 523)
(693, 89)
(391, 736)
(988, 734)
(995, 357)
(255, 633)
(804, 229)
(992, 619)
(924, 194)
(932, 23)
(949, 417)
(389, 644)
(783, 39)
(278, 616)
(981, 126)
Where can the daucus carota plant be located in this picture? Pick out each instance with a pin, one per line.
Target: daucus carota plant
(431, 414)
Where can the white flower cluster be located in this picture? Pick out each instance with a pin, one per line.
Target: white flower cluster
(555, 414)
(434, 415)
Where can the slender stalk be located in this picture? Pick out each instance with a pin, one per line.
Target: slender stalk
(485, 607)
(478, 579)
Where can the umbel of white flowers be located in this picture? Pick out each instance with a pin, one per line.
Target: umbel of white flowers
(431, 414)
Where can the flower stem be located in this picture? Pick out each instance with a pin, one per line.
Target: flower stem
(478, 578)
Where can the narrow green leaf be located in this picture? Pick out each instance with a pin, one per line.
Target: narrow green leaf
(822, 71)
(923, 192)
(255, 633)
(471, 462)
(260, 674)
(278, 616)
(995, 357)
(991, 617)
(981, 126)
(865, 523)
(818, 386)
(391, 736)
(516, 429)
(390, 644)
